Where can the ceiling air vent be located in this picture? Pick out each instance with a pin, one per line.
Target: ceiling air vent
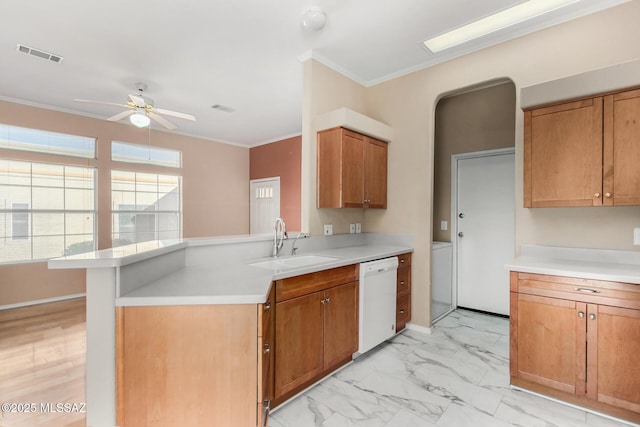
(39, 53)
(223, 108)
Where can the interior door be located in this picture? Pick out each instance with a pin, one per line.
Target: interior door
(486, 230)
(264, 204)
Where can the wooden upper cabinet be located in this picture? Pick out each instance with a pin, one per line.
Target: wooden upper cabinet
(375, 174)
(351, 170)
(563, 155)
(583, 153)
(622, 149)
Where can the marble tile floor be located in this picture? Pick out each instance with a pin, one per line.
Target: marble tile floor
(457, 376)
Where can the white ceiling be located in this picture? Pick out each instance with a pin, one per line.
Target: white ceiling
(244, 54)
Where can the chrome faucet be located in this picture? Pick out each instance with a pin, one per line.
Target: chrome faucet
(279, 235)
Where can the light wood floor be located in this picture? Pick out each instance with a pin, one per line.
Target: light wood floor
(43, 360)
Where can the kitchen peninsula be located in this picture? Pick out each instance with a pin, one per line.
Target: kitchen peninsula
(212, 294)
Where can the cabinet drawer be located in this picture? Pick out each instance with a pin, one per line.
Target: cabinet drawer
(618, 294)
(404, 281)
(404, 260)
(320, 280)
(403, 312)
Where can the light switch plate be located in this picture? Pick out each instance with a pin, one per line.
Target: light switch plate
(636, 236)
(444, 225)
(352, 228)
(328, 229)
(358, 227)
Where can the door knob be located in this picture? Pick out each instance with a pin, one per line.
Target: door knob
(461, 215)
(461, 234)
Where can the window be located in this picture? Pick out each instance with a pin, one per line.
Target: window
(17, 138)
(145, 206)
(132, 153)
(20, 221)
(46, 210)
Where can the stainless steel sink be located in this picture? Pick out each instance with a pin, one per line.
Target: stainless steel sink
(293, 262)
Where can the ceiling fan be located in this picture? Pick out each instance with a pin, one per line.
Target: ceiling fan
(141, 110)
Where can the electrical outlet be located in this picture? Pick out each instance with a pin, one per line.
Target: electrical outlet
(352, 228)
(358, 227)
(328, 229)
(636, 236)
(444, 225)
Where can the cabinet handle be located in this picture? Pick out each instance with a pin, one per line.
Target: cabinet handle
(402, 260)
(328, 299)
(607, 195)
(267, 348)
(581, 314)
(402, 282)
(588, 291)
(592, 316)
(324, 301)
(267, 305)
(401, 311)
(597, 195)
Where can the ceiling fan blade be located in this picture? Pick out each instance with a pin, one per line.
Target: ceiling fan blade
(175, 114)
(164, 122)
(120, 116)
(139, 101)
(102, 103)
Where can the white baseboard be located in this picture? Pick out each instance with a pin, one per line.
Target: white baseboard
(417, 328)
(41, 301)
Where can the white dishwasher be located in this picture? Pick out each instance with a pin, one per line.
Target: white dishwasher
(377, 311)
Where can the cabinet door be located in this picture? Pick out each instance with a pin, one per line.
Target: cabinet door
(352, 169)
(621, 149)
(375, 173)
(550, 347)
(563, 155)
(340, 324)
(614, 356)
(298, 353)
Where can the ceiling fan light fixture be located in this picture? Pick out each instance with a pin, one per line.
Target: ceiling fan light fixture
(140, 119)
(314, 18)
(498, 21)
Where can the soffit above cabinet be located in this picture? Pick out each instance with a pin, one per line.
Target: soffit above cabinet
(590, 83)
(346, 118)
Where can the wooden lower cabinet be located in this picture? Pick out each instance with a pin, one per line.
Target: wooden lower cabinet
(187, 365)
(577, 340)
(266, 362)
(316, 332)
(403, 291)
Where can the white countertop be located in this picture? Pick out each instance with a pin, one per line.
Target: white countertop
(241, 283)
(597, 264)
(129, 254)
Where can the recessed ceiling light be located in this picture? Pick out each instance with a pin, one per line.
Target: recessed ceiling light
(497, 21)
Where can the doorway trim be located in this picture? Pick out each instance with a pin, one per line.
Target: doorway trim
(454, 208)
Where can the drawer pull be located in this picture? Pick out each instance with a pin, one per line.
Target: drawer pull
(402, 260)
(267, 348)
(588, 291)
(267, 305)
